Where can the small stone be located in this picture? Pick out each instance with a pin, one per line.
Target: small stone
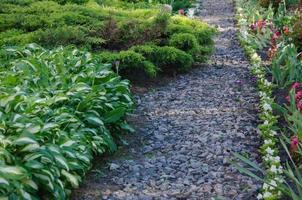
(113, 166)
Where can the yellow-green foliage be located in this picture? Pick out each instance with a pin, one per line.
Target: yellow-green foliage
(180, 40)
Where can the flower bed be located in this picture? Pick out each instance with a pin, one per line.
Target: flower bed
(266, 28)
(267, 130)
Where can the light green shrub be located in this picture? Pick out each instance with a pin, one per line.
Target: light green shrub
(186, 42)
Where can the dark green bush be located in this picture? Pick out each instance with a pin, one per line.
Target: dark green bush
(71, 1)
(172, 59)
(186, 42)
(181, 4)
(167, 59)
(126, 62)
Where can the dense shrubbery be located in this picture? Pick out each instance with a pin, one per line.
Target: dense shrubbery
(57, 109)
(176, 4)
(276, 28)
(166, 58)
(111, 31)
(103, 29)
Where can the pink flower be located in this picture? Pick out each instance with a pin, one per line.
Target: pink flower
(287, 98)
(181, 12)
(299, 105)
(294, 142)
(298, 96)
(253, 27)
(296, 85)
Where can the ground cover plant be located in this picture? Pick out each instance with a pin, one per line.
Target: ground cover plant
(58, 109)
(276, 34)
(109, 30)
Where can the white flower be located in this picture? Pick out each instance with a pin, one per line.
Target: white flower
(273, 183)
(269, 151)
(267, 194)
(276, 159)
(267, 107)
(259, 196)
(280, 169)
(274, 169)
(269, 141)
(262, 94)
(273, 133)
(265, 186)
(278, 179)
(267, 83)
(265, 122)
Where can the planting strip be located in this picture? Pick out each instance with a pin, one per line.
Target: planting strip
(269, 150)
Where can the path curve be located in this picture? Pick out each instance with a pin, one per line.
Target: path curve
(186, 130)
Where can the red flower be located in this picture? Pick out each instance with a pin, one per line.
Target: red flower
(272, 52)
(253, 27)
(294, 142)
(299, 105)
(260, 24)
(296, 85)
(286, 30)
(298, 96)
(181, 12)
(300, 55)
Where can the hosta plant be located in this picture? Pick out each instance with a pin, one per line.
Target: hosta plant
(57, 109)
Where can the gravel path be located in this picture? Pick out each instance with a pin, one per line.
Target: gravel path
(186, 130)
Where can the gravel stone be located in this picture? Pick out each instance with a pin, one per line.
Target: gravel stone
(187, 129)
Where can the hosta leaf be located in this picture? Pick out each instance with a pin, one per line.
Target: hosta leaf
(34, 164)
(44, 178)
(95, 121)
(31, 184)
(62, 161)
(83, 158)
(25, 140)
(72, 179)
(114, 115)
(33, 129)
(30, 148)
(25, 195)
(4, 181)
(127, 127)
(68, 143)
(13, 172)
(49, 126)
(60, 98)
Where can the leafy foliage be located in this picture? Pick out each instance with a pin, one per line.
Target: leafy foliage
(111, 32)
(57, 109)
(186, 42)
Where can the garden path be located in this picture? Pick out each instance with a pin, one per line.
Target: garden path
(187, 129)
